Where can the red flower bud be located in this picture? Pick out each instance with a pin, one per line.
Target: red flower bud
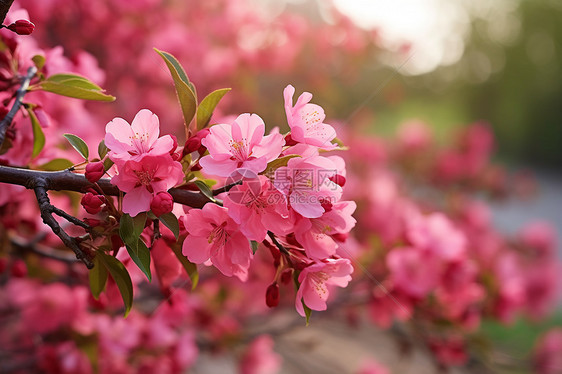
(289, 140)
(287, 276)
(94, 171)
(162, 203)
(92, 222)
(338, 179)
(92, 203)
(340, 237)
(194, 143)
(19, 269)
(196, 167)
(272, 295)
(22, 27)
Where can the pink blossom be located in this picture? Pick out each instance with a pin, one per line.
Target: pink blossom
(258, 207)
(142, 179)
(314, 234)
(548, 352)
(240, 145)
(306, 184)
(214, 235)
(315, 279)
(306, 120)
(133, 142)
(407, 274)
(437, 235)
(260, 358)
(372, 367)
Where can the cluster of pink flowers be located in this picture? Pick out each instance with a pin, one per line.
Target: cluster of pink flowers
(298, 205)
(146, 169)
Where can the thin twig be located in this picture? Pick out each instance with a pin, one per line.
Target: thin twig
(69, 218)
(46, 214)
(277, 244)
(225, 188)
(20, 93)
(44, 251)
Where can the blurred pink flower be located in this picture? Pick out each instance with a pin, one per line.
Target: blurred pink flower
(260, 358)
(548, 353)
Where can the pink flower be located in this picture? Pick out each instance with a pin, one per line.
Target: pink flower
(314, 234)
(214, 235)
(407, 273)
(258, 207)
(260, 358)
(142, 179)
(133, 142)
(316, 278)
(373, 367)
(548, 352)
(306, 120)
(436, 234)
(306, 184)
(240, 145)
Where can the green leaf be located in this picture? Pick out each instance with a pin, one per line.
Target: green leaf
(207, 107)
(254, 245)
(77, 87)
(98, 277)
(107, 163)
(38, 136)
(102, 149)
(205, 189)
(121, 277)
(78, 144)
(131, 228)
(141, 256)
(277, 163)
(189, 267)
(39, 61)
(307, 312)
(170, 221)
(56, 165)
(184, 88)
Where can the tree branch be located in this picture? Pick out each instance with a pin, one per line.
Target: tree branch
(4, 8)
(20, 93)
(47, 214)
(68, 181)
(43, 250)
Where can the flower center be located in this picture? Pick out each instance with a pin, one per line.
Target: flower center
(144, 177)
(239, 149)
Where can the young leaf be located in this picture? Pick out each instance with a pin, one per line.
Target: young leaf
(170, 221)
(78, 144)
(76, 88)
(56, 165)
(207, 107)
(141, 256)
(74, 80)
(131, 228)
(277, 163)
(307, 312)
(38, 136)
(184, 88)
(205, 189)
(189, 267)
(102, 149)
(121, 277)
(98, 277)
(39, 61)
(107, 163)
(254, 246)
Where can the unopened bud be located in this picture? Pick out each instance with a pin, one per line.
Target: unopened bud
(340, 237)
(19, 269)
(92, 203)
(22, 27)
(94, 171)
(287, 276)
(162, 203)
(92, 222)
(289, 140)
(338, 179)
(194, 143)
(272, 295)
